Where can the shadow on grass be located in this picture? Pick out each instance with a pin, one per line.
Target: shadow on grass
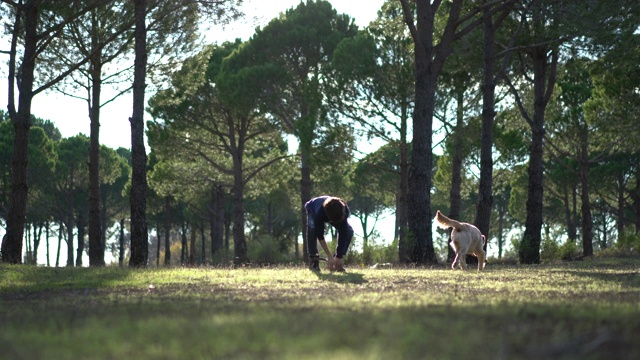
(342, 278)
(629, 279)
(25, 279)
(617, 271)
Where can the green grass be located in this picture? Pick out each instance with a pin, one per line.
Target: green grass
(576, 310)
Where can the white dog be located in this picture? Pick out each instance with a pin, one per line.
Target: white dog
(465, 239)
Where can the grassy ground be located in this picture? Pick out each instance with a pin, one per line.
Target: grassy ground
(577, 310)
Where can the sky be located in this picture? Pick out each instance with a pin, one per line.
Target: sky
(71, 115)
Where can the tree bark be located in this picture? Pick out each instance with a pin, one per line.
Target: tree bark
(192, 248)
(485, 196)
(587, 221)
(96, 251)
(402, 212)
(305, 195)
(455, 199)
(529, 252)
(239, 239)
(428, 65)
(637, 200)
(620, 224)
(216, 210)
(70, 224)
(11, 248)
(139, 234)
(81, 222)
(121, 241)
(167, 231)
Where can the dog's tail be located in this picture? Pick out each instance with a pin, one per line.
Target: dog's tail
(444, 222)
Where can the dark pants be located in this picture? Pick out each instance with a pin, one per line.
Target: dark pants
(345, 234)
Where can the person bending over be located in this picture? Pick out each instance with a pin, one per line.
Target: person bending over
(335, 211)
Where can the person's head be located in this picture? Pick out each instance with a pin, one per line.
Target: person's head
(336, 209)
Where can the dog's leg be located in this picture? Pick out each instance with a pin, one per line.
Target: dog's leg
(481, 256)
(462, 261)
(455, 260)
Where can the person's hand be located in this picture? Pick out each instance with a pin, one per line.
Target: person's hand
(330, 263)
(337, 264)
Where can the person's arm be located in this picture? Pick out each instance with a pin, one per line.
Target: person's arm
(325, 247)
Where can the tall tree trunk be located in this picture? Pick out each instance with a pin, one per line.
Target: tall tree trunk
(428, 65)
(70, 226)
(419, 199)
(239, 238)
(167, 231)
(621, 205)
(587, 221)
(455, 199)
(183, 252)
(570, 213)
(139, 235)
(192, 248)
(37, 234)
(159, 239)
(11, 248)
(103, 224)
(216, 220)
(96, 251)
(60, 237)
(637, 200)
(485, 196)
(305, 194)
(47, 226)
(501, 214)
(81, 223)
(402, 211)
(204, 242)
(529, 252)
(121, 241)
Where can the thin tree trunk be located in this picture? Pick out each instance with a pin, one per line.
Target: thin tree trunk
(621, 205)
(637, 200)
(47, 225)
(60, 237)
(192, 248)
(402, 211)
(455, 199)
(167, 231)
(587, 221)
(216, 220)
(121, 241)
(70, 226)
(569, 209)
(485, 195)
(204, 241)
(305, 194)
(96, 251)
(139, 234)
(81, 223)
(159, 239)
(501, 214)
(103, 224)
(239, 239)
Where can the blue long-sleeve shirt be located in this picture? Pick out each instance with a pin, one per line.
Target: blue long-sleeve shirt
(317, 218)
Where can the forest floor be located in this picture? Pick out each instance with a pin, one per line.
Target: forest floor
(586, 309)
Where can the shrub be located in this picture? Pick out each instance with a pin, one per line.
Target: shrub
(549, 250)
(567, 251)
(265, 251)
(629, 242)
